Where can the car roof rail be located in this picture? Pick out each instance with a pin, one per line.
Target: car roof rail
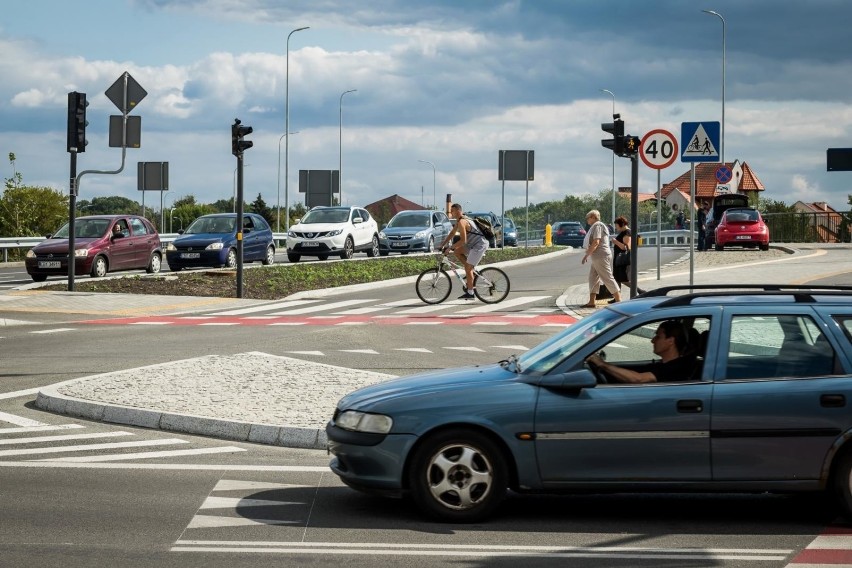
(801, 293)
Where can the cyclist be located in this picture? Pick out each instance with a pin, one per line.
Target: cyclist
(469, 248)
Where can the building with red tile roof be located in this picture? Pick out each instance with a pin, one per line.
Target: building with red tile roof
(743, 180)
(384, 209)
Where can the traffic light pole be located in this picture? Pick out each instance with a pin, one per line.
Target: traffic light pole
(239, 225)
(72, 214)
(634, 222)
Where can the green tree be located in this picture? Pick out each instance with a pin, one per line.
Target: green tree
(28, 211)
(259, 206)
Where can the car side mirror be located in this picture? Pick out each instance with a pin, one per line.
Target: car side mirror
(297, 220)
(180, 231)
(357, 220)
(573, 380)
(384, 226)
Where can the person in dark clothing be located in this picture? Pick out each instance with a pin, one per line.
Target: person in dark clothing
(670, 343)
(621, 245)
(702, 226)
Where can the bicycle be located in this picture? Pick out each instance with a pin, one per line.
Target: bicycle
(434, 285)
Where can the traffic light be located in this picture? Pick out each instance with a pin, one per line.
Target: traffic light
(238, 145)
(77, 122)
(616, 128)
(631, 145)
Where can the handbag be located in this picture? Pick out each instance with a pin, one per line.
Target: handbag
(623, 258)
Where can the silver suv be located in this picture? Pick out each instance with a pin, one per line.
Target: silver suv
(327, 231)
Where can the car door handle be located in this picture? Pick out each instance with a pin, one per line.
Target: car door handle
(690, 405)
(832, 400)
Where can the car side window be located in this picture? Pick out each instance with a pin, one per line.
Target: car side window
(365, 215)
(635, 346)
(778, 346)
(260, 223)
(138, 227)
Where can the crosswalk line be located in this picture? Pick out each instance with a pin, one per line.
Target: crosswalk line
(61, 438)
(149, 455)
(34, 429)
(504, 304)
(19, 420)
(234, 502)
(265, 307)
(376, 308)
(323, 307)
(90, 447)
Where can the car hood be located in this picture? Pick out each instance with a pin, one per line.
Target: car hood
(59, 246)
(316, 227)
(404, 230)
(452, 382)
(201, 239)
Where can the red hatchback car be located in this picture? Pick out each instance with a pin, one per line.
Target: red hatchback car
(742, 226)
(102, 243)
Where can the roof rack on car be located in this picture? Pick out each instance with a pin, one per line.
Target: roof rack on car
(801, 293)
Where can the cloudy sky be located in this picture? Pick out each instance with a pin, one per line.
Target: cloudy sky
(451, 82)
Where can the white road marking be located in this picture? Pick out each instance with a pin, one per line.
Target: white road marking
(216, 522)
(220, 323)
(265, 307)
(466, 348)
(414, 349)
(351, 323)
(234, 502)
(166, 466)
(89, 447)
(323, 307)
(16, 394)
(365, 351)
(491, 323)
(423, 323)
(519, 347)
(422, 310)
(63, 438)
(504, 304)
(150, 323)
(240, 485)
(317, 353)
(33, 429)
(289, 323)
(150, 455)
(57, 330)
(19, 420)
(376, 308)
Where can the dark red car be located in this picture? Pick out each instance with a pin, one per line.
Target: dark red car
(102, 244)
(742, 226)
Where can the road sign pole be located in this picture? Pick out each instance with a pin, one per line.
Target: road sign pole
(634, 220)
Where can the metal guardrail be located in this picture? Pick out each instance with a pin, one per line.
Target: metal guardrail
(8, 243)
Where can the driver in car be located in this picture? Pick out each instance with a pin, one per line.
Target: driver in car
(670, 343)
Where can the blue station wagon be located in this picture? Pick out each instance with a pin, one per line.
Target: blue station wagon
(211, 240)
(763, 404)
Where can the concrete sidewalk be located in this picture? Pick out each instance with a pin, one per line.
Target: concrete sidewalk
(285, 401)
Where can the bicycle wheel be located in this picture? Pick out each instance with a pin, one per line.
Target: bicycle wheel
(433, 286)
(491, 285)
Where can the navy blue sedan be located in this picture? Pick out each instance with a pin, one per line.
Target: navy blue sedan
(760, 401)
(211, 240)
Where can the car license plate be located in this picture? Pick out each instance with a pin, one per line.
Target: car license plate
(399, 245)
(743, 237)
(49, 264)
(310, 244)
(190, 255)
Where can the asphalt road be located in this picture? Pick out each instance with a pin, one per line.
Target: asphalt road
(121, 496)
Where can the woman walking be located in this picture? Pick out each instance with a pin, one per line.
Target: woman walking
(622, 244)
(598, 251)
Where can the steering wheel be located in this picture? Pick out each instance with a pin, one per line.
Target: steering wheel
(598, 373)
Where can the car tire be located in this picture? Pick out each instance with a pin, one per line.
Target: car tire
(231, 259)
(293, 257)
(430, 248)
(99, 267)
(154, 264)
(383, 253)
(841, 484)
(374, 247)
(270, 256)
(720, 247)
(322, 256)
(348, 249)
(764, 247)
(458, 476)
(39, 277)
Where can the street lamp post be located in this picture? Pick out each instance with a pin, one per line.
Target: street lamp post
(434, 195)
(340, 148)
(278, 216)
(287, 129)
(724, 57)
(613, 157)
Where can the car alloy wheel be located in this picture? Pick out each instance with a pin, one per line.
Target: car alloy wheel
(231, 260)
(270, 256)
(458, 476)
(348, 249)
(374, 247)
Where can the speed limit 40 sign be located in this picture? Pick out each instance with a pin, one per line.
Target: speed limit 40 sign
(658, 149)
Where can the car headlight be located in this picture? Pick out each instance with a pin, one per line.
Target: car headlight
(334, 233)
(81, 253)
(291, 234)
(214, 246)
(364, 422)
(31, 254)
(171, 246)
(421, 234)
(382, 235)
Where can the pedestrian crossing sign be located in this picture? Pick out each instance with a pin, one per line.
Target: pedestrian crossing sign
(700, 141)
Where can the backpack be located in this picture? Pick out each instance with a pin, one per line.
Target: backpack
(484, 226)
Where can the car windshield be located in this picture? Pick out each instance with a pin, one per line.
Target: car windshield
(542, 358)
(84, 228)
(741, 215)
(326, 216)
(509, 224)
(413, 220)
(211, 225)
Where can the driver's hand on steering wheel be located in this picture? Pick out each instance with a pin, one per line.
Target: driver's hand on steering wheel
(594, 360)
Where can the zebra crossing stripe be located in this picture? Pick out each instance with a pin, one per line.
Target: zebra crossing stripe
(34, 429)
(504, 304)
(265, 307)
(323, 307)
(88, 447)
(149, 455)
(19, 420)
(62, 438)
